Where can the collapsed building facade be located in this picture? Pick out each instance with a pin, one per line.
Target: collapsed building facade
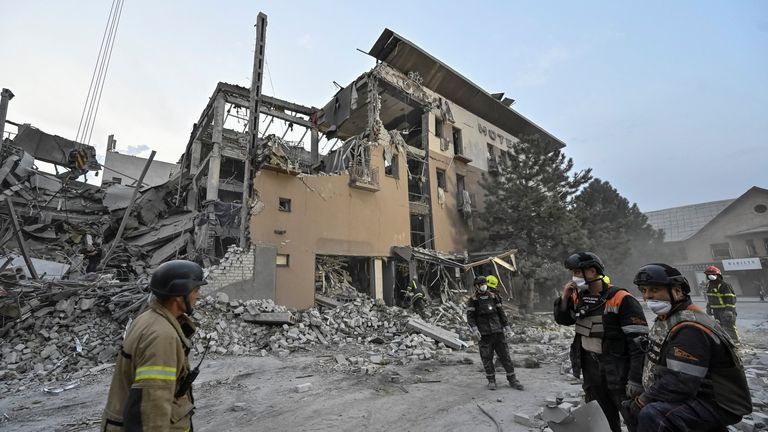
(396, 197)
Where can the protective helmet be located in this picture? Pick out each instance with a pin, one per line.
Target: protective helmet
(491, 281)
(712, 270)
(661, 274)
(481, 280)
(583, 261)
(176, 278)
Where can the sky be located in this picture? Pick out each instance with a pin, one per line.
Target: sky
(668, 101)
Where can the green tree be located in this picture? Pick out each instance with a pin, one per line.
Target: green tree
(617, 231)
(527, 207)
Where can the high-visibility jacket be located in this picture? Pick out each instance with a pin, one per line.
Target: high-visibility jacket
(691, 357)
(150, 371)
(618, 321)
(720, 295)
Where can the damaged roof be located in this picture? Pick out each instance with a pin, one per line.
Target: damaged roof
(404, 55)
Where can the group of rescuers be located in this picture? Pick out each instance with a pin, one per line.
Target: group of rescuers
(683, 374)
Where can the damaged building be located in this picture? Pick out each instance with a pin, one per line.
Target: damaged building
(395, 196)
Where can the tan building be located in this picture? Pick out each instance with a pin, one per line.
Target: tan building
(730, 234)
(395, 197)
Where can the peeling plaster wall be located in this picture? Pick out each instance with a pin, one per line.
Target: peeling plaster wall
(328, 217)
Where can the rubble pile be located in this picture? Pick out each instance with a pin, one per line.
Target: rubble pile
(63, 329)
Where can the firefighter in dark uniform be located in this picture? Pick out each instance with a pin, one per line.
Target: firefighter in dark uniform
(693, 378)
(489, 325)
(414, 297)
(721, 301)
(608, 322)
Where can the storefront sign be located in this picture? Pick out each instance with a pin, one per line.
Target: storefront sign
(742, 264)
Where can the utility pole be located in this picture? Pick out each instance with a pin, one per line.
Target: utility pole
(5, 96)
(251, 148)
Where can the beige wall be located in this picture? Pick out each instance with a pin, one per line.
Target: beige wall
(328, 217)
(739, 217)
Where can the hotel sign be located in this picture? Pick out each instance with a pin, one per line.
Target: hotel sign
(742, 264)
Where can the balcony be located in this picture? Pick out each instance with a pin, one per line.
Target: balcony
(363, 177)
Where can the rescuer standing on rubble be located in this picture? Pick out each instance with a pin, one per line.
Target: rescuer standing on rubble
(152, 384)
(414, 297)
(693, 378)
(489, 325)
(608, 319)
(721, 301)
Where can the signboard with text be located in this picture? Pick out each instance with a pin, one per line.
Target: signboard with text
(742, 264)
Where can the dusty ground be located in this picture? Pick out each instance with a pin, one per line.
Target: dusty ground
(263, 388)
(257, 393)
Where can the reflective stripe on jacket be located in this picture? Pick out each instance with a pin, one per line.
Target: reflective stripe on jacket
(150, 368)
(720, 295)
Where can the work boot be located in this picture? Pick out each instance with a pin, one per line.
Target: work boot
(514, 383)
(491, 384)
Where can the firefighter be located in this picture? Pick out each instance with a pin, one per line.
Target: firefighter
(608, 319)
(489, 325)
(414, 297)
(151, 387)
(721, 301)
(693, 378)
(493, 283)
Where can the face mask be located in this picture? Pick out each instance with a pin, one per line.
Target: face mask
(483, 288)
(659, 307)
(711, 277)
(579, 281)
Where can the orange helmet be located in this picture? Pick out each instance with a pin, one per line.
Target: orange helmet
(712, 270)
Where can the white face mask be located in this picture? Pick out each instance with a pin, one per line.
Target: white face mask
(483, 288)
(659, 307)
(579, 281)
(711, 277)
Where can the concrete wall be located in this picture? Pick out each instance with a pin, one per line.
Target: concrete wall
(328, 217)
(158, 173)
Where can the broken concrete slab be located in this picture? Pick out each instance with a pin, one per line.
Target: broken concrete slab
(301, 388)
(274, 318)
(589, 417)
(449, 338)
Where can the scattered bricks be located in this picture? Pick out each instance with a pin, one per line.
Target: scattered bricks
(222, 298)
(19, 347)
(301, 388)
(376, 359)
(340, 359)
(565, 406)
(554, 414)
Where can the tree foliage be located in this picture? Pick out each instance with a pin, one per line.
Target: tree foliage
(527, 203)
(617, 231)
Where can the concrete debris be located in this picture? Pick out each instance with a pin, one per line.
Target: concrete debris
(301, 388)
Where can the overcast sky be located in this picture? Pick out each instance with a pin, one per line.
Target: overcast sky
(666, 100)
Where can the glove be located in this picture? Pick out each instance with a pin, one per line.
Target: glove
(508, 333)
(634, 389)
(633, 406)
(475, 333)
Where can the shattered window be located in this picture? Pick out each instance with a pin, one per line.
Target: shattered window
(439, 126)
(720, 250)
(285, 204)
(390, 166)
(458, 146)
(441, 179)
